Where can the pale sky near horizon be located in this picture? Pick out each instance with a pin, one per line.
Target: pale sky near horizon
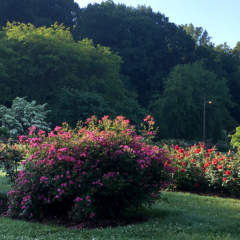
(219, 17)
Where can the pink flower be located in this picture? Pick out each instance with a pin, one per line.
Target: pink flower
(41, 133)
(88, 199)
(22, 139)
(92, 215)
(32, 130)
(51, 134)
(63, 149)
(77, 199)
(146, 118)
(105, 117)
(43, 179)
(57, 128)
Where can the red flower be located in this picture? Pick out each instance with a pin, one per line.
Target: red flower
(166, 164)
(227, 172)
(219, 166)
(180, 150)
(207, 164)
(182, 170)
(176, 147)
(197, 150)
(214, 161)
(183, 164)
(193, 160)
(224, 179)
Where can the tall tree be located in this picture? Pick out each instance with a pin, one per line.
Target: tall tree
(39, 62)
(198, 34)
(180, 109)
(149, 45)
(38, 12)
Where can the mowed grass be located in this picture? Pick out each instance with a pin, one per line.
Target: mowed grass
(184, 216)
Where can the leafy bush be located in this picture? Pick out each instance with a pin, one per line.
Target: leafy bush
(97, 170)
(235, 140)
(22, 115)
(11, 155)
(200, 169)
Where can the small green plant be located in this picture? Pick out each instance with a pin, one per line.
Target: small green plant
(21, 115)
(11, 155)
(235, 140)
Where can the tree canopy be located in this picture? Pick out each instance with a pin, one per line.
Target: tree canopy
(179, 110)
(40, 62)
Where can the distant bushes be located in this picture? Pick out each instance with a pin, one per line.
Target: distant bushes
(97, 170)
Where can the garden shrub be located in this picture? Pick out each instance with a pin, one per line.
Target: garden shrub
(235, 139)
(95, 171)
(205, 170)
(11, 155)
(21, 115)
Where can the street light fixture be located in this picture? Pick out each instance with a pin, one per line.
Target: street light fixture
(204, 116)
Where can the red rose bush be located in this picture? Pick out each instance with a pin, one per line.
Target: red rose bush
(205, 170)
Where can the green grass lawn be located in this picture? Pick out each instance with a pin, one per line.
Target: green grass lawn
(185, 216)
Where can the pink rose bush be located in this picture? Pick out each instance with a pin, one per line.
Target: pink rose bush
(97, 170)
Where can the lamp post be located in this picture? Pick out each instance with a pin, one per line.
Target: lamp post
(204, 116)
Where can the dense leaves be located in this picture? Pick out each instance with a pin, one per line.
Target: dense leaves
(181, 107)
(22, 115)
(38, 12)
(48, 60)
(148, 43)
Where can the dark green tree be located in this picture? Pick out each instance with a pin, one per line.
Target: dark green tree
(39, 62)
(38, 12)
(198, 34)
(147, 42)
(179, 111)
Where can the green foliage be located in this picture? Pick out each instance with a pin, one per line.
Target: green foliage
(22, 115)
(179, 110)
(198, 34)
(96, 171)
(235, 138)
(11, 155)
(38, 12)
(54, 62)
(74, 105)
(148, 43)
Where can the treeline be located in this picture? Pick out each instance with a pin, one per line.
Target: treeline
(136, 62)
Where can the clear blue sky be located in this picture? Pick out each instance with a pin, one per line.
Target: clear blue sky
(221, 18)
